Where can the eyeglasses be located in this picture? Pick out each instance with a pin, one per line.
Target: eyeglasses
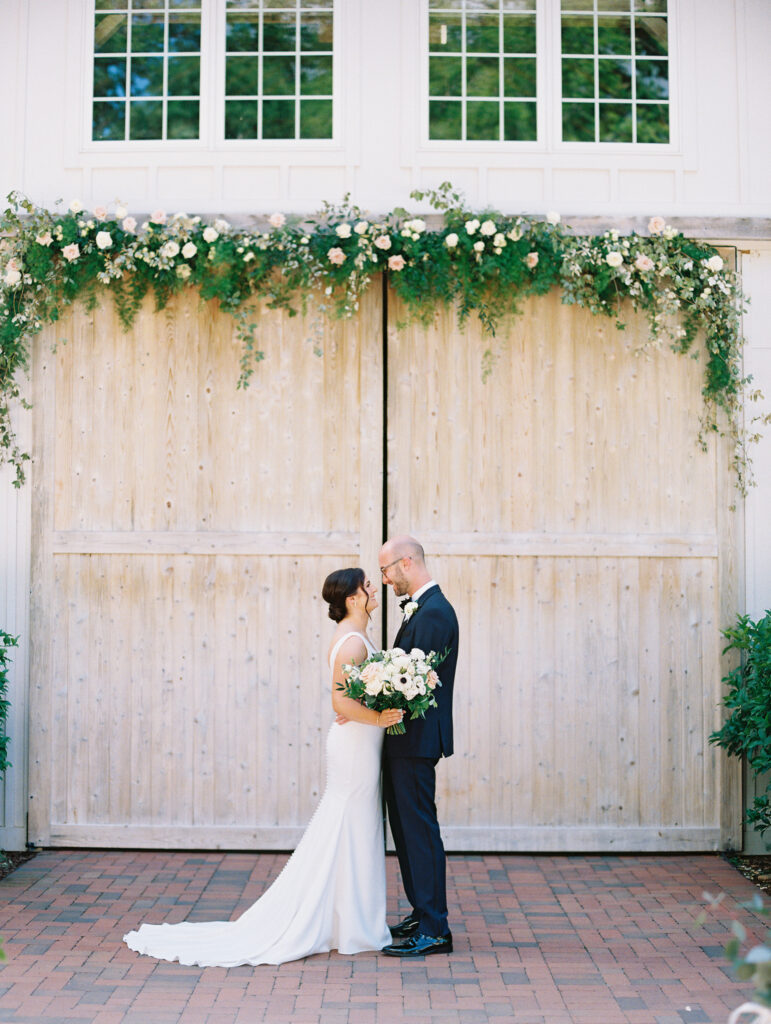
(385, 568)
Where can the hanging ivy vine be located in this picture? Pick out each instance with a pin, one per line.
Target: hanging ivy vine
(481, 263)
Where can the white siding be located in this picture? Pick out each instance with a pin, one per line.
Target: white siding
(756, 274)
(718, 163)
(14, 619)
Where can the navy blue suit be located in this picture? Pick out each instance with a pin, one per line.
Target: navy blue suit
(409, 762)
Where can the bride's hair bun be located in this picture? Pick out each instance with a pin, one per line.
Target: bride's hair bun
(338, 586)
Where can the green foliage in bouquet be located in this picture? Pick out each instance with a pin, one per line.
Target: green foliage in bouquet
(747, 731)
(395, 679)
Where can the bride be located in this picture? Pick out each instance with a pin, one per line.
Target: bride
(331, 893)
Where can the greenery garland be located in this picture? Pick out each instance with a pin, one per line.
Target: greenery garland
(482, 263)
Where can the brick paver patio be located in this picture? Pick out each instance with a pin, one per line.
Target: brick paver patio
(538, 940)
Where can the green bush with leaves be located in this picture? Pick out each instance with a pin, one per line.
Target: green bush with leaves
(747, 731)
(753, 964)
(6, 643)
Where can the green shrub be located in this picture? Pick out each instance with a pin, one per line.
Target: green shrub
(6, 642)
(747, 731)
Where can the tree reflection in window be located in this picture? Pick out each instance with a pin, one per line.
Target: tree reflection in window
(278, 69)
(615, 71)
(482, 70)
(147, 70)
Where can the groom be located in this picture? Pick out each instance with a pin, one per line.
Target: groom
(409, 779)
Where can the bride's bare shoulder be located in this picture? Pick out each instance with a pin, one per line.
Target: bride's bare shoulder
(350, 647)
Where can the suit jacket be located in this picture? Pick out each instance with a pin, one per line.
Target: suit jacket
(433, 627)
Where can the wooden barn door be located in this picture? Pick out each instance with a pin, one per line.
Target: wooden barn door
(183, 529)
(585, 542)
(179, 691)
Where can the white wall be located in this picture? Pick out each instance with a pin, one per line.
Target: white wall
(756, 275)
(718, 164)
(14, 619)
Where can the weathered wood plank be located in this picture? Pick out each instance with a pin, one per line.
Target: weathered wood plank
(609, 538)
(205, 542)
(545, 838)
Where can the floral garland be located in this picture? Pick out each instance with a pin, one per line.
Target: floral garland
(486, 264)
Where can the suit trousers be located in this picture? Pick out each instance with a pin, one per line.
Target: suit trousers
(409, 784)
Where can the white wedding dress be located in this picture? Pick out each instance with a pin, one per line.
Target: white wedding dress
(331, 892)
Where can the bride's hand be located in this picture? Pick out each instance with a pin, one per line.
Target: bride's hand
(389, 717)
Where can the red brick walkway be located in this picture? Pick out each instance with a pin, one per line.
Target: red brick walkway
(538, 940)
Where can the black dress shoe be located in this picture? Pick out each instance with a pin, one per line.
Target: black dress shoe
(404, 928)
(421, 945)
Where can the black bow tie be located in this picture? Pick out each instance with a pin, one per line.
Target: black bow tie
(404, 602)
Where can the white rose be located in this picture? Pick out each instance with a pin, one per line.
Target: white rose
(515, 234)
(221, 225)
(44, 239)
(120, 212)
(714, 263)
(210, 235)
(103, 239)
(343, 230)
(169, 250)
(100, 212)
(129, 225)
(361, 227)
(12, 277)
(471, 226)
(499, 240)
(189, 250)
(451, 241)
(417, 225)
(553, 217)
(656, 225)
(277, 220)
(479, 246)
(76, 206)
(669, 232)
(417, 655)
(614, 258)
(488, 228)
(183, 271)
(383, 242)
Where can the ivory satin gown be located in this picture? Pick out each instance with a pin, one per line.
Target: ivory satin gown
(331, 892)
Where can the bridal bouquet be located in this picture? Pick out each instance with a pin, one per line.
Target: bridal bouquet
(395, 679)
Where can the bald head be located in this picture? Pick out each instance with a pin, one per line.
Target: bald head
(403, 564)
(404, 546)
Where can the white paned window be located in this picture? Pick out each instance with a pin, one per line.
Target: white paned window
(278, 69)
(147, 70)
(267, 70)
(548, 71)
(615, 71)
(482, 70)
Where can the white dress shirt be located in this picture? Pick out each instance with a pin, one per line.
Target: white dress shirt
(423, 589)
